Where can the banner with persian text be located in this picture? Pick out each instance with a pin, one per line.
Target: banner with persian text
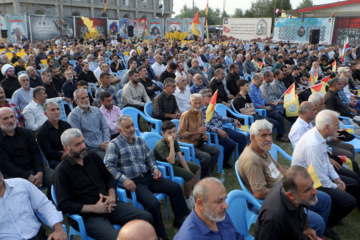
(44, 27)
(247, 28)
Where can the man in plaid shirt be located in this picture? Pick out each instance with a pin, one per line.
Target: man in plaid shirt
(227, 136)
(132, 163)
(20, 122)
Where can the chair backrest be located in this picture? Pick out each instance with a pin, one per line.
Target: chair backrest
(239, 212)
(233, 108)
(222, 110)
(121, 73)
(73, 62)
(21, 72)
(176, 122)
(63, 115)
(151, 139)
(91, 85)
(276, 149)
(148, 109)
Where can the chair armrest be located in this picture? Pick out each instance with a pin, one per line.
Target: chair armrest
(80, 223)
(121, 195)
(192, 151)
(261, 112)
(347, 119)
(167, 166)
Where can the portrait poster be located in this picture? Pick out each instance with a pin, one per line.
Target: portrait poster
(44, 27)
(247, 28)
(113, 26)
(123, 27)
(17, 27)
(155, 28)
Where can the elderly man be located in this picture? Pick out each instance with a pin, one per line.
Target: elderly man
(49, 134)
(209, 220)
(110, 112)
(182, 94)
(217, 84)
(70, 84)
(19, 218)
(20, 121)
(283, 214)
(20, 154)
(248, 65)
(134, 94)
(311, 150)
(132, 163)
(158, 67)
(90, 121)
(137, 230)
(105, 79)
(10, 84)
(35, 79)
(23, 95)
(198, 84)
(192, 130)
(84, 186)
(89, 59)
(164, 104)
(34, 112)
(260, 172)
(228, 138)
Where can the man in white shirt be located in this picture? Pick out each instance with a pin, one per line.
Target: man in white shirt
(34, 113)
(180, 70)
(20, 199)
(23, 95)
(182, 94)
(311, 150)
(113, 42)
(158, 67)
(89, 59)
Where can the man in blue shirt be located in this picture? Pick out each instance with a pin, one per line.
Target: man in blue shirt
(198, 84)
(209, 220)
(259, 102)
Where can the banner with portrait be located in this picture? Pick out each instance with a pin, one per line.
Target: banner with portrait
(113, 27)
(155, 28)
(200, 27)
(43, 27)
(247, 28)
(123, 27)
(17, 27)
(175, 24)
(295, 30)
(99, 23)
(139, 25)
(350, 26)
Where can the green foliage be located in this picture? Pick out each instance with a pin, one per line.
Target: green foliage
(214, 16)
(306, 3)
(238, 13)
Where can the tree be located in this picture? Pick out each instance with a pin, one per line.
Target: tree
(238, 13)
(214, 16)
(285, 5)
(306, 3)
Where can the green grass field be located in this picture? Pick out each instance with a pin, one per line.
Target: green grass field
(349, 231)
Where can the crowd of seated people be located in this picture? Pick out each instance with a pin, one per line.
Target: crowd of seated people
(62, 125)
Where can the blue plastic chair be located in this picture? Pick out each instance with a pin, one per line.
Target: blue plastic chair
(148, 109)
(355, 142)
(45, 222)
(91, 85)
(276, 149)
(240, 213)
(248, 77)
(151, 139)
(73, 62)
(121, 73)
(43, 66)
(134, 113)
(120, 93)
(62, 110)
(206, 65)
(121, 194)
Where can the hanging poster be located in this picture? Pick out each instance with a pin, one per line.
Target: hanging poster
(123, 28)
(200, 27)
(175, 24)
(113, 26)
(99, 23)
(155, 28)
(43, 27)
(296, 31)
(247, 28)
(17, 26)
(350, 26)
(139, 26)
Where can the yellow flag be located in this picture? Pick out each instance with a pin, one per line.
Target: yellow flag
(314, 176)
(291, 102)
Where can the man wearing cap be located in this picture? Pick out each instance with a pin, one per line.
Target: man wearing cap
(10, 84)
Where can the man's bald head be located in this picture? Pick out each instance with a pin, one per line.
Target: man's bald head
(137, 230)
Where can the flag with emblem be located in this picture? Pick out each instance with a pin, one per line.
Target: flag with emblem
(195, 23)
(314, 176)
(291, 102)
(211, 107)
(325, 80)
(320, 87)
(334, 66)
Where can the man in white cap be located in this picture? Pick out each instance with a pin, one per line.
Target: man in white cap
(10, 83)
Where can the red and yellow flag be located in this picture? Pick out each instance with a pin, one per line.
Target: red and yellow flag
(346, 161)
(206, 21)
(291, 102)
(316, 76)
(105, 7)
(334, 66)
(311, 81)
(325, 80)
(320, 87)
(211, 107)
(260, 64)
(314, 176)
(195, 23)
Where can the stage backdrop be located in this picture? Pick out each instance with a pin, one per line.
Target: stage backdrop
(113, 26)
(17, 26)
(295, 31)
(344, 26)
(99, 23)
(247, 28)
(155, 28)
(43, 27)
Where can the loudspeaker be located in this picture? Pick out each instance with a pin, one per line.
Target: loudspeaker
(130, 31)
(4, 33)
(314, 36)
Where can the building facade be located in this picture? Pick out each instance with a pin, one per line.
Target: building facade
(88, 8)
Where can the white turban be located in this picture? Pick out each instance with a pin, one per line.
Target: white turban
(5, 68)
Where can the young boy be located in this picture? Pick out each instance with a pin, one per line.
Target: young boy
(167, 150)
